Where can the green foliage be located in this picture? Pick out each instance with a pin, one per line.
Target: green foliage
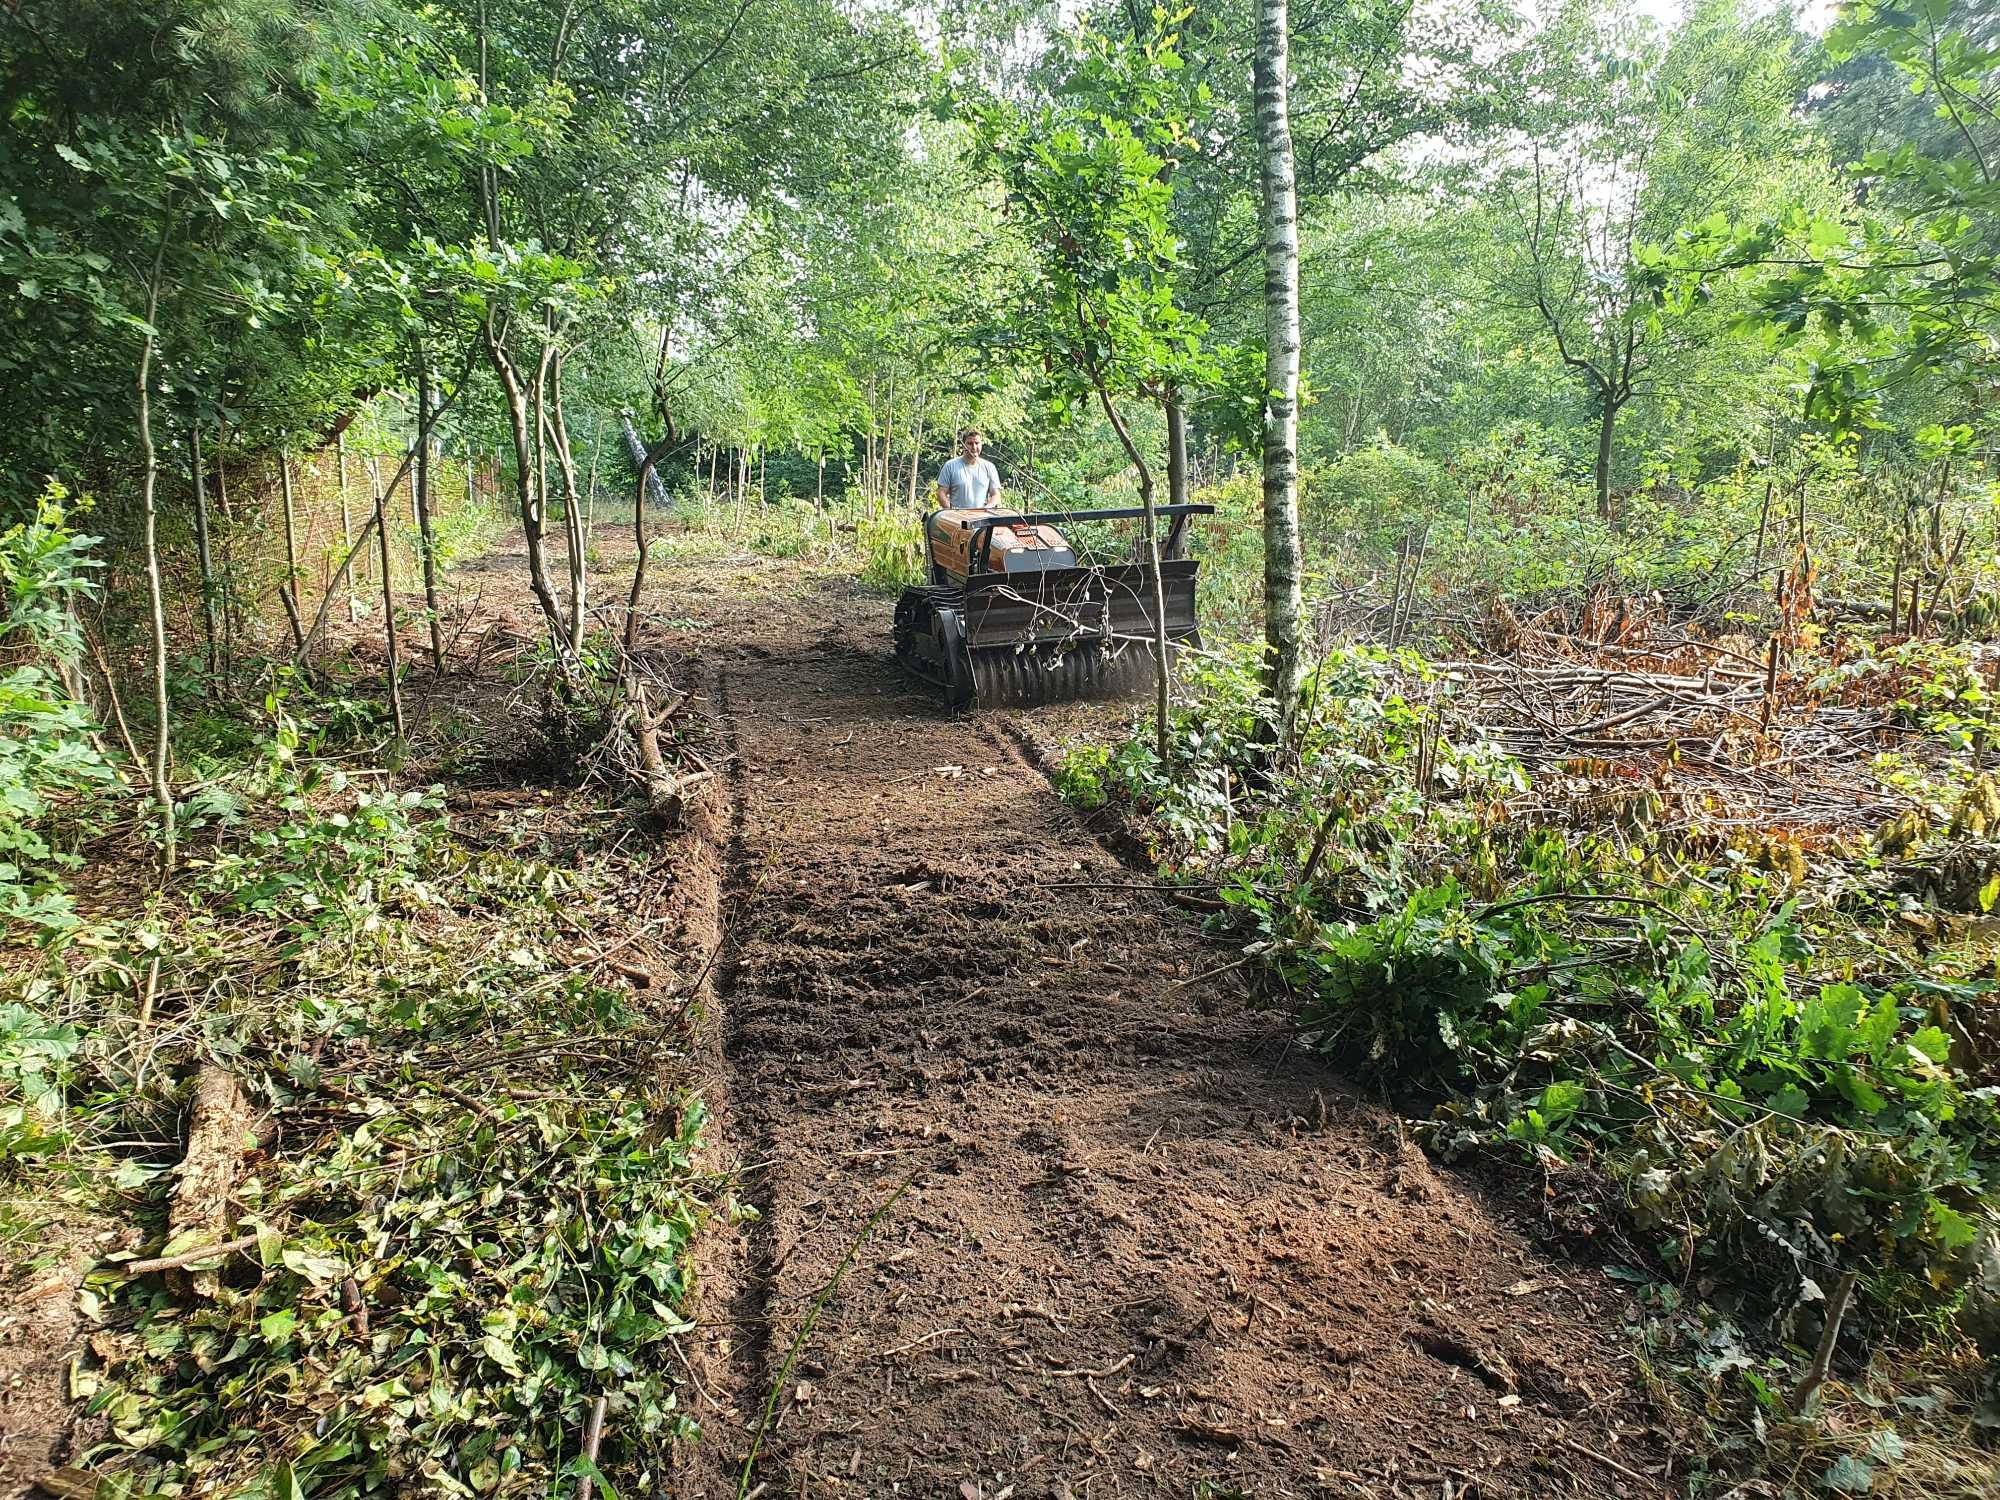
(34, 1071)
(1685, 1037)
(1903, 292)
(1373, 495)
(892, 551)
(520, 1247)
(1090, 182)
(49, 758)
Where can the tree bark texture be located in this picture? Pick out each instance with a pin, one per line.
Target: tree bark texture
(1177, 453)
(528, 494)
(1283, 627)
(1606, 425)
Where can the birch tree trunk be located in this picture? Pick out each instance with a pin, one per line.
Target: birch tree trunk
(1177, 454)
(1283, 630)
(162, 794)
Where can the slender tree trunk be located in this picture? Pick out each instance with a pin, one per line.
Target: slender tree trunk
(1606, 422)
(819, 481)
(572, 504)
(203, 556)
(916, 449)
(388, 604)
(884, 483)
(163, 796)
(226, 576)
(290, 592)
(590, 500)
(1283, 628)
(345, 572)
(1177, 454)
(1764, 515)
(347, 529)
(651, 462)
(1150, 540)
(527, 494)
(763, 490)
(426, 539)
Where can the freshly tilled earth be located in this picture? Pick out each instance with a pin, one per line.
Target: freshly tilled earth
(1034, 1203)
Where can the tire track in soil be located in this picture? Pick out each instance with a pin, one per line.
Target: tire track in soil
(1143, 1248)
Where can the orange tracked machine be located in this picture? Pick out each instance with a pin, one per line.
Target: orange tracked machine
(1010, 616)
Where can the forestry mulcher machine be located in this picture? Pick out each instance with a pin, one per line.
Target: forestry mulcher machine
(1011, 617)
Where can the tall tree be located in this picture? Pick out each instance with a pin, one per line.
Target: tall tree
(1640, 135)
(1284, 629)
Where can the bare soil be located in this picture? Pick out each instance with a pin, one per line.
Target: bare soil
(1035, 1203)
(1032, 1201)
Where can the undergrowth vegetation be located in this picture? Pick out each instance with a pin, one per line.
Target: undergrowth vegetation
(882, 544)
(465, 1191)
(1721, 960)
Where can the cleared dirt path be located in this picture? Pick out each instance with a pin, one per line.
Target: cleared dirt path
(1131, 1245)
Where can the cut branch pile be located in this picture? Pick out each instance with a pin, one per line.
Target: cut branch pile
(1722, 735)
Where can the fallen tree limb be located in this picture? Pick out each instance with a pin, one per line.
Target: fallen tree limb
(207, 1173)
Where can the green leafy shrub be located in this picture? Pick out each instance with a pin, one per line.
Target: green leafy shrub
(1375, 494)
(1763, 1111)
(892, 550)
(50, 760)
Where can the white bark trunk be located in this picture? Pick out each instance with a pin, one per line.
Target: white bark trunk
(162, 791)
(1283, 629)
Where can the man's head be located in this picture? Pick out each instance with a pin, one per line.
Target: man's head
(970, 442)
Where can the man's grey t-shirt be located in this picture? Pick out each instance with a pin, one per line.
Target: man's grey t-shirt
(968, 484)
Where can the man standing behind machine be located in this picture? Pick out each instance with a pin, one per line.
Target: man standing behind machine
(968, 481)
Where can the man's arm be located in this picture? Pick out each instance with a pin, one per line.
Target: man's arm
(993, 490)
(943, 485)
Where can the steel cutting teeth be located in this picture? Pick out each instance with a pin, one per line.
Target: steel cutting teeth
(1004, 678)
